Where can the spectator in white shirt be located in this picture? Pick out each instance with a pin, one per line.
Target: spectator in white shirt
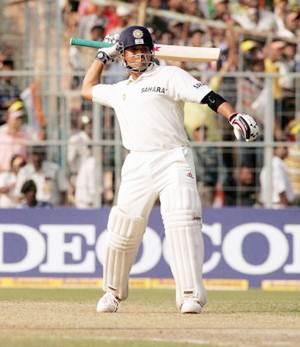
(86, 189)
(48, 177)
(282, 192)
(8, 182)
(78, 148)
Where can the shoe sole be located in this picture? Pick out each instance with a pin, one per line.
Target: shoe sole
(190, 309)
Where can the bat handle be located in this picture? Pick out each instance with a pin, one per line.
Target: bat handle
(75, 41)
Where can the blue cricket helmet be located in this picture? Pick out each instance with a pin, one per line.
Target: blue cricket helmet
(133, 36)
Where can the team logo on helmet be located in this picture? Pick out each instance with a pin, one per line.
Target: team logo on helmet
(137, 34)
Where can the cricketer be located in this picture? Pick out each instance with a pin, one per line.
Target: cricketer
(149, 108)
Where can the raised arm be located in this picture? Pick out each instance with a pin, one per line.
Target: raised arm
(92, 77)
(94, 73)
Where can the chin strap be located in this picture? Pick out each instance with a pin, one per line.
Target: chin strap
(131, 69)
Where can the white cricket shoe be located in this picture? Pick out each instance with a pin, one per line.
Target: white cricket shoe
(190, 305)
(108, 303)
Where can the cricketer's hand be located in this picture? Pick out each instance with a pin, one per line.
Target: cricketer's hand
(109, 53)
(244, 126)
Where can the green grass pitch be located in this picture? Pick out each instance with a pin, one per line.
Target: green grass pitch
(67, 317)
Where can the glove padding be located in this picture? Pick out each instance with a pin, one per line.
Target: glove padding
(244, 126)
(109, 53)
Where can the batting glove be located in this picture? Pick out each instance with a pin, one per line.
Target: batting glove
(244, 126)
(109, 53)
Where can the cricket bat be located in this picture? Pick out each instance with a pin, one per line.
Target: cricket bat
(167, 52)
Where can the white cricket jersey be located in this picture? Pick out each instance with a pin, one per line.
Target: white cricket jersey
(150, 108)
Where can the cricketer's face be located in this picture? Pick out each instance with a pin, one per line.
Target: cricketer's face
(138, 57)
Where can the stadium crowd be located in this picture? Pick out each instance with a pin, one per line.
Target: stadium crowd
(255, 36)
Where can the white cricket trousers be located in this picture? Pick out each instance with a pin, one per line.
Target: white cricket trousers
(147, 176)
(170, 176)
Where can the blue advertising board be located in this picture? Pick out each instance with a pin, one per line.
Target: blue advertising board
(240, 243)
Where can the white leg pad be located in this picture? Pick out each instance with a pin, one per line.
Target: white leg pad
(181, 211)
(124, 237)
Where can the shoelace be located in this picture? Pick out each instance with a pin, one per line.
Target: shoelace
(111, 299)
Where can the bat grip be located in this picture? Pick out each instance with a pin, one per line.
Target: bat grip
(75, 41)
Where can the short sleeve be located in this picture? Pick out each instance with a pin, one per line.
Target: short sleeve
(184, 87)
(104, 94)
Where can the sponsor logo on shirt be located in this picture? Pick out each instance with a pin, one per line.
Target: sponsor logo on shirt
(198, 85)
(189, 174)
(154, 89)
